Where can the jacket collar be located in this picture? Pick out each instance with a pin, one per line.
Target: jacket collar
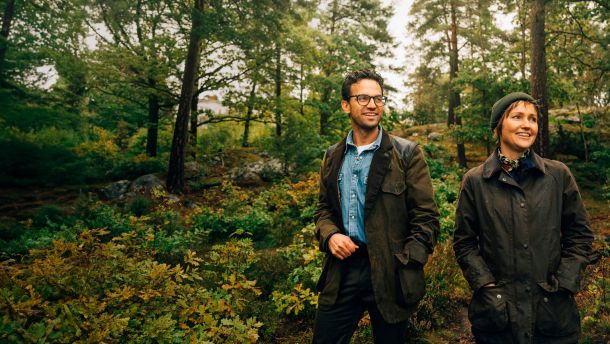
(379, 168)
(492, 165)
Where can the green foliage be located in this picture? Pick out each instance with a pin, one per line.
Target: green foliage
(445, 289)
(445, 196)
(92, 291)
(296, 294)
(140, 205)
(436, 158)
(594, 300)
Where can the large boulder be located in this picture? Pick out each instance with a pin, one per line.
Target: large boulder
(115, 191)
(256, 173)
(192, 170)
(146, 184)
(434, 136)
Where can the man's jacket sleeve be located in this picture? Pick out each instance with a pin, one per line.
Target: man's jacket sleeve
(325, 226)
(466, 240)
(576, 235)
(423, 214)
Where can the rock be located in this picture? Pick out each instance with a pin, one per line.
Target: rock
(145, 184)
(257, 172)
(115, 190)
(573, 119)
(434, 136)
(244, 177)
(192, 170)
(415, 134)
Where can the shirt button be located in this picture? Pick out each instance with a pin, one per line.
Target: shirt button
(527, 289)
(525, 246)
(353, 216)
(545, 299)
(522, 205)
(503, 179)
(499, 296)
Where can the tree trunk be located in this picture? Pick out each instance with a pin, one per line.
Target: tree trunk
(153, 125)
(521, 12)
(454, 96)
(175, 173)
(244, 142)
(538, 76)
(582, 134)
(325, 112)
(194, 117)
(301, 89)
(7, 19)
(278, 90)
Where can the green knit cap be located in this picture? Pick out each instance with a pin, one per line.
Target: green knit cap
(500, 106)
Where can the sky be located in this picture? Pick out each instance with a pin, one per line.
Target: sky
(398, 29)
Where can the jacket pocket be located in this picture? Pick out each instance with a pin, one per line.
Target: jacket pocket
(412, 284)
(393, 186)
(487, 311)
(557, 315)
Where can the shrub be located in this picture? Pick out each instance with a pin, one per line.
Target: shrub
(296, 293)
(91, 292)
(140, 205)
(446, 288)
(594, 300)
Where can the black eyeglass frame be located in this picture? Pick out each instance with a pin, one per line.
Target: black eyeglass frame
(360, 99)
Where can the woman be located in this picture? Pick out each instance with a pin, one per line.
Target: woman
(522, 236)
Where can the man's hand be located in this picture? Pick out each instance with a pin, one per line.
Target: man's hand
(341, 246)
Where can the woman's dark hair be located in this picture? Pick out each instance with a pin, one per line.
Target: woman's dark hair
(356, 76)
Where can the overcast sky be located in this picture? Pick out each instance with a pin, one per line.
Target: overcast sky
(398, 29)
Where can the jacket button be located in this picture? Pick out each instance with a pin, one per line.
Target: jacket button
(522, 205)
(525, 246)
(499, 296)
(545, 299)
(527, 289)
(503, 179)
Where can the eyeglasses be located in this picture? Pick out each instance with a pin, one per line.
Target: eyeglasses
(365, 99)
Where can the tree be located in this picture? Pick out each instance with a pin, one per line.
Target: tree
(137, 54)
(175, 174)
(538, 76)
(442, 19)
(350, 35)
(7, 20)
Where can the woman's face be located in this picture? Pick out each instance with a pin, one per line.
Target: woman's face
(519, 130)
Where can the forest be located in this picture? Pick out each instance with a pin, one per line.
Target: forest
(159, 159)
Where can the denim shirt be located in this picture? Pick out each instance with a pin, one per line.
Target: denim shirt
(352, 186)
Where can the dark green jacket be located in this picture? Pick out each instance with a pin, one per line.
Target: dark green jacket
(530, 238)
(400, 220)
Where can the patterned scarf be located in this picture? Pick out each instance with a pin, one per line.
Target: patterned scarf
(511, 164)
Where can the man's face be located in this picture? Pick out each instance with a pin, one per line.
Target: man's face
(367, 116)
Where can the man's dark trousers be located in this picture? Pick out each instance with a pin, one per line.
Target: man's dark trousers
(336, 324)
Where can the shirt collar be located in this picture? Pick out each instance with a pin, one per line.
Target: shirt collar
(350, 140)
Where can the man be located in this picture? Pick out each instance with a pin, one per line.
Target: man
(376, 220)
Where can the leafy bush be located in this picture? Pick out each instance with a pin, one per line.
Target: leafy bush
(42, 157)
(594, 300)
(296, 293)
(446, 288)
(91, 292)
(445, 196)
(235, 213)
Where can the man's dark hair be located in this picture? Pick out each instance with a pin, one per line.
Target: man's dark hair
(355, 76)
